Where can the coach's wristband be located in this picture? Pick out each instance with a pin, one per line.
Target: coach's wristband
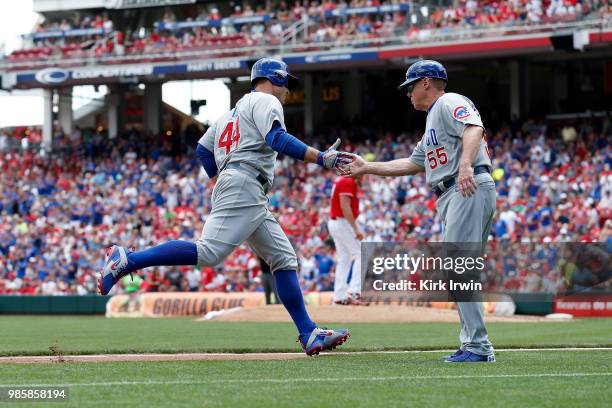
(320, 159)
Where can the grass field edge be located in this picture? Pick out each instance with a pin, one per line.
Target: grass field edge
(58, 352)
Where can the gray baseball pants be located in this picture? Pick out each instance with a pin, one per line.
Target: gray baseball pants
(468, 220)
(240, 213)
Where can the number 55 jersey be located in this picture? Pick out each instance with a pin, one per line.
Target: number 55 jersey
(439, 150)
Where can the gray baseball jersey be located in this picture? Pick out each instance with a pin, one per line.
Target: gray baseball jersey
(239, 211)
(239, 136)
(466, 220)
(439, 150)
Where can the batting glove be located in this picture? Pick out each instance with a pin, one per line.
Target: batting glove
(333, 159)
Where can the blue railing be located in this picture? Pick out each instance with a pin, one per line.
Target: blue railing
(78, 32)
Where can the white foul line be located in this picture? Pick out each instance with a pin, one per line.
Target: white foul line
(307, 380)
(496, 350)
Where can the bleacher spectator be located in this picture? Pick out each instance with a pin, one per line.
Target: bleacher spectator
(59, 212)
(433, 22)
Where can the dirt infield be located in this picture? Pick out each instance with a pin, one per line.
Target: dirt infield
(108, 358)
(97, 358)
(356, 314)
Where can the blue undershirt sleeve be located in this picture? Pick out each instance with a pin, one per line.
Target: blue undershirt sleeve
(207, 158)
(281, 141)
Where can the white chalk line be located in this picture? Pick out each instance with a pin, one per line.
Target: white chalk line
(496, 350)
(310, 380)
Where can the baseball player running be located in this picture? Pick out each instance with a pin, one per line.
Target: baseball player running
(457, 167)
(347, 237)
(241, 148)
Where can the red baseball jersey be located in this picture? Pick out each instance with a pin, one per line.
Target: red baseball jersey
(344, 186)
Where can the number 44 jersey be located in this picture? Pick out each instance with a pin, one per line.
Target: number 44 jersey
(439, 151)
(239, 136)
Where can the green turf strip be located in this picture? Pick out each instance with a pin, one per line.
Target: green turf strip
(518, 379)
(41, 335)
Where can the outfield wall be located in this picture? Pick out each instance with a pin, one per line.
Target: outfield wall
(88, 304)
(526, 303)
(171, 304)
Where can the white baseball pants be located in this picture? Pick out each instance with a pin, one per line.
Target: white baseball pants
(348, 250)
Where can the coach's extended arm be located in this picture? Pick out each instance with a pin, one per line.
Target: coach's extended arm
(393, 168)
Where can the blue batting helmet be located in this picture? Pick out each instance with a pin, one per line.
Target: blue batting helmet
(276, 71)
(424, 69)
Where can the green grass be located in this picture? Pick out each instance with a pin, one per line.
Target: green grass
(35, 335)
(518, 379)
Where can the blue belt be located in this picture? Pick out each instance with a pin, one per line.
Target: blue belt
(443, 186)
(253, 172)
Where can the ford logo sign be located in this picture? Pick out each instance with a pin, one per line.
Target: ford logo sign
(52, 75)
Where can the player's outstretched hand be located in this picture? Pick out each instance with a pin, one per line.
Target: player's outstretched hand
(355, 169)
(466, 180)
(335, 160)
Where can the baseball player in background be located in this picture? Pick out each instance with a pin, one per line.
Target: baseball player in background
(240, 149)
(347, 237)
(457, 167)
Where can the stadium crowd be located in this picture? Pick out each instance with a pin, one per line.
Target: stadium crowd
(59, 212)
(234, 27)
